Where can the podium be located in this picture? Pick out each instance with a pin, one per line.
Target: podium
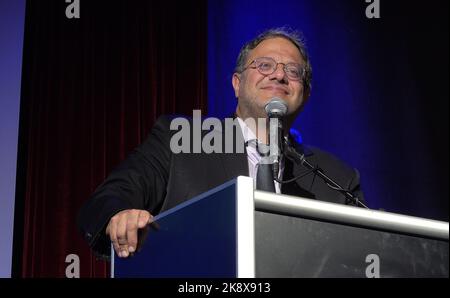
(234, 231)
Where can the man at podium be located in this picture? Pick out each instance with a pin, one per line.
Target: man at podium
(153, 178)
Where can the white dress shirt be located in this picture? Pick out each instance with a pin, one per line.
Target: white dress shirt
(254, 157)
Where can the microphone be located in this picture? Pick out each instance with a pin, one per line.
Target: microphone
(276, 109)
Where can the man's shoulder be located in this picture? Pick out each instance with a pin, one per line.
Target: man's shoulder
(326, 159)
(168, 124)
(172, 123)
(166, 119)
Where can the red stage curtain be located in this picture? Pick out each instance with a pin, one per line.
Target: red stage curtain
(91, 89)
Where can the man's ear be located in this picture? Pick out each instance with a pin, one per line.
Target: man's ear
(236, 81)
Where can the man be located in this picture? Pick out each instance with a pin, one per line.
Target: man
(153, 179)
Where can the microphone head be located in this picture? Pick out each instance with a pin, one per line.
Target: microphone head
(276, 107)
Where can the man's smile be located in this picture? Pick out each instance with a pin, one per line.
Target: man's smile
(276, 89)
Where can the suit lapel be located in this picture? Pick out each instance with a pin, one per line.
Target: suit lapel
(234, 164)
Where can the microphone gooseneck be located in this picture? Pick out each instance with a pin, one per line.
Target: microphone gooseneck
(292, 154)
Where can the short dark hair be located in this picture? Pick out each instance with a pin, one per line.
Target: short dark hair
(293, 36)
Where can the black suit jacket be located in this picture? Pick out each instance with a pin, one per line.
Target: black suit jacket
(155, 179)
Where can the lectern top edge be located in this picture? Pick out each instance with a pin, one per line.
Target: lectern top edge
(302, 207)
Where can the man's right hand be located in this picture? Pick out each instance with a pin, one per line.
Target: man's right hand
(123, 230)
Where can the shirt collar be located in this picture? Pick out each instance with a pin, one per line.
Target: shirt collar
(246, 131)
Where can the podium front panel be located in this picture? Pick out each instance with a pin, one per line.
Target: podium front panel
(195, 239)
(288, 246)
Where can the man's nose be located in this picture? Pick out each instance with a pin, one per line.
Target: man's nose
(279, 74)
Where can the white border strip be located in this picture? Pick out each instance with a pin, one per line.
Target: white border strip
(351, 215)
(245, 228)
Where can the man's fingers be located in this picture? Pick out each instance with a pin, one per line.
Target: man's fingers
(132, 228)
(112, 231)
(123, 230)
(144, 218)
(122, 235)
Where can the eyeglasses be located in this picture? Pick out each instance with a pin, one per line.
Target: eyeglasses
(267, 66)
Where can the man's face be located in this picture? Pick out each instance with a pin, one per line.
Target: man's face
(254, 90)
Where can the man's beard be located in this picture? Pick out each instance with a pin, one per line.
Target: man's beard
(254, 108)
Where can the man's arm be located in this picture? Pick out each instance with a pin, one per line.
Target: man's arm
(138, 183)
